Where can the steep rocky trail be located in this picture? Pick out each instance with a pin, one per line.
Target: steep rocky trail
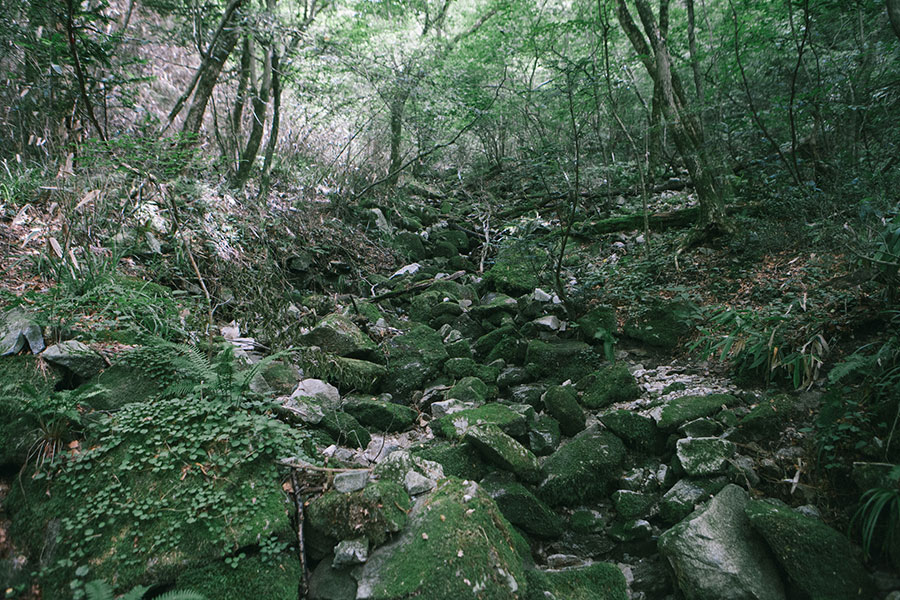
(453, 434)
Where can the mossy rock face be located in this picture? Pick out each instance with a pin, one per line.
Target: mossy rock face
(453, 289)
(544, 435)
(516, 270)
(344, 429)
(683, 497)
(458, 460)
(410, 245)
(687, 408)
(420, 305)
(599, 321)
(662, 325)
(416, 357)
(561, 403)
(469, 389)
(457, 545)
(522, 508)
(460, 367)
(338, 335)
(455, 425)
(21, 380)
(599, 581)
(281, 378)
(164, 487)
(632, 505)
(375, 512)
(637, 431)
(609, 385)
(704, 456)
(583, 469)
(378, 415)
(767, 419)
(360, 375)
(819, 561)
(270, 577)
(561, 360)
(504, 452)
(489, 341)
(458, 239)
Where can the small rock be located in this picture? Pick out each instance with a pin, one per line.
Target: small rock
(76, 357)
(561, 561)
(416, 483)
(17, 330)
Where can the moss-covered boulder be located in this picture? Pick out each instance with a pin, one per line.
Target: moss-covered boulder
(704, 456)
(165, 487)
(819, 561)
(380, 415)
(504, 452)
(469, 389)
(522, 508)
(716, 555)
(458, 459)
(683, 497)
(344, 429)
(457, 545)
(662, 324)
(356, 374)
(415, 358)
(688, 408)
(455, 425)
(597, 323)
(544, 435)
(491, 340)
(410, 245)
(516, 269)
(583, 469)
(560, 360)
(599, 581)
(631, 504)
(75, 357)
(528, 393)
(767, 419)
(460, 367)
(337, 334)
(609, 385)
(376, 512)
(261, 575)
(637, 431)
(561, 403)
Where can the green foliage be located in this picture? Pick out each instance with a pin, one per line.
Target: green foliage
(878, 514)
(100, 590)
(165, 158)
(762, 344)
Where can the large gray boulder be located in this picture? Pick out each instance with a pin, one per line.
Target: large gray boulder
(17, 330)
(716, 554)
(819, 561)
(75, 356)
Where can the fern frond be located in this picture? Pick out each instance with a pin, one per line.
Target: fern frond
(181, 595)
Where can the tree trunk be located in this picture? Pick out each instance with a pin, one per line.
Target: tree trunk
(707, 174)
(276, 113)
(237, 113)
(208, 79)
(893, 10)
(260, 102)
(396, 137)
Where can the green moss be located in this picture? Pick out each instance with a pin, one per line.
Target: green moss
(818, 560)
(415, 358)
(582, 469)
(600, 581)
(379, 415)
(561, 402)
(256, 576)
(420, 305)
(631, 505)
(522, 508)
(460, 367)
(375, 512)
(21, 379)
(504, 452)
(688, 408)
(561, 360)
(344, 429)
(609, 385)
(768, 418)
(458, 460)
(455, 425)
(662, 325)
(516, 269)
(637, 431)
(586, 521)
(489, 342)
(598, 321)
(169, 485)
(458, 544)
(469, 389)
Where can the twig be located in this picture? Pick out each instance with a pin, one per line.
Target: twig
(303, 584)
